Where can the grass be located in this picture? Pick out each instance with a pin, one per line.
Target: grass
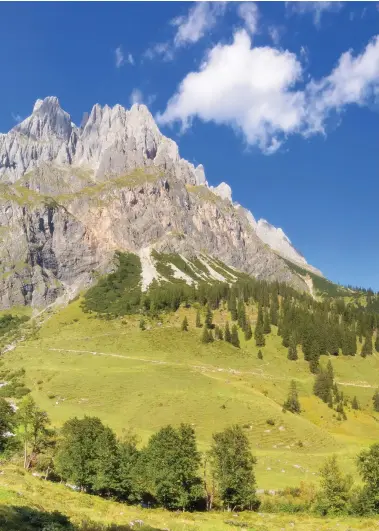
(20, 489)
(146, 379)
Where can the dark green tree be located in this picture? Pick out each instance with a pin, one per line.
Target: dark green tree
(7, 423)
(258, 335)
(334, 496)
(322, 386)
(248, 331)
(198, 319)
(260, 355)
(232, 307)
(205, 335)
(292, 350)
(241, 314)
(375, 400)
(266, 323)
(367, 346)
(87, 455)
(169, 468)
(368, 467)
(234, 337)
(208, 318)
(184, 326)
(274, 309)
(354, 403)
(233, 469)
(292, 403)
(228, 335)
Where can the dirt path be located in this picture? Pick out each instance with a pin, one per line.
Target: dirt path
(351, 384)
(201, 368)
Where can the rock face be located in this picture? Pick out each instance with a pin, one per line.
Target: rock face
(71, 196)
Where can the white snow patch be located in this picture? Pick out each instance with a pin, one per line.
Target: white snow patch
(149, 272)
(180, 274)
(214, 274)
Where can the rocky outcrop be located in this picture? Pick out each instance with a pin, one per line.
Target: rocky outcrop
(71, 196)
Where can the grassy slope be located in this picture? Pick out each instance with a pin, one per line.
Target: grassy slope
(21, 489)
(146, 379)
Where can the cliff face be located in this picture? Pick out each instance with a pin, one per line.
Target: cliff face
(70, 197)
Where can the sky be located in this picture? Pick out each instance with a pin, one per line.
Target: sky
(278, 99)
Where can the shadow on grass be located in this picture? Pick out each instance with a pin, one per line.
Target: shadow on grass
(27, 519)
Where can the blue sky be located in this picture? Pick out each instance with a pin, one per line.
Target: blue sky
(279, 100)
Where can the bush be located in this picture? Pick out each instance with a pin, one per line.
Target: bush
(270, 422)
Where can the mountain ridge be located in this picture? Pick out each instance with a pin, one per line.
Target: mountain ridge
(72, 196)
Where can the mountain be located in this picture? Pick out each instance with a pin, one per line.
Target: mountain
(70, 197)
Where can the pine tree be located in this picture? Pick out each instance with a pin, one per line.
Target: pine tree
(241, 313)
(234, 337)
(335, 489)
(377, 341)
(274, 309)
(266, 324)
(367, 346)
(292, 403)
(208, 318)
(354, 403)
(232, 307)
(375, 400)
(258, 334)
(314, 365)
(260, 355)
(185, 324)
(248, 331)
(198, 320)
(227, 335)
(205, 335)
(292, 350)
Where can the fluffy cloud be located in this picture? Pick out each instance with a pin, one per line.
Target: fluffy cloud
(248, 11)
(199, 19)
(314, 8)
(257, 91)
(353, 80)
(250, 89)
(190, 28)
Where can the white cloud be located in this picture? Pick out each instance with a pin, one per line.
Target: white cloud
(249, 13)
(130, 59)
(246, 88)
(199, 19)
(163, 49)
(275, 34)
(355, 80)
(257, 91)
(119, 57)
(16, 117)
(136, 96)
(315, 8)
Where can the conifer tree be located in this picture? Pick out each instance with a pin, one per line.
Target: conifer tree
(241, 312)
(228, 335)
(274, 309)
(377, 341)
(292, 403)
(367, 346)
(260, 355)
(198, 319)
(258, 334)
(266, 323)
(185, 324)
(208, 318)
(232, 307)
(322, 386)
(292, 350)
(248, 331)
(354, 403)
(234, 337)
(375, 400)
(205, 335)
